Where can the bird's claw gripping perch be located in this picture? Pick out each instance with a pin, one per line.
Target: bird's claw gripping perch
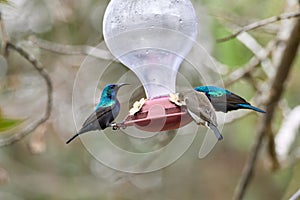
(118, 126)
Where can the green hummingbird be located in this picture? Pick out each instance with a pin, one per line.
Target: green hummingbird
(223, 100)
(105, 112)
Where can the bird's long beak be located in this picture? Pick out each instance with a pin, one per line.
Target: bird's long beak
(122, 84)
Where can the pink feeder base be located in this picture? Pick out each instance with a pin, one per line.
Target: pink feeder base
(158, 114)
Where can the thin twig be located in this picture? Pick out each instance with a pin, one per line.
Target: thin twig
(277, 87)
(261, 23)
(4, 37)
(247, 69)
(232, 117)
(275, 165)
(237, 21)
(269, 69)
(72, 50)
(242, 72)
(248, 169)
(296, 195)
(262, 53)
(39, 67)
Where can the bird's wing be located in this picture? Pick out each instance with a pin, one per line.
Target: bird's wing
(97, 114)
(195, 117)
(220, 95)
(235, 99)
(235, 102)
(227, 101)
(199, 106)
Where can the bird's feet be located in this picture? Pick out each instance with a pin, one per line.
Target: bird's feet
(117, 126)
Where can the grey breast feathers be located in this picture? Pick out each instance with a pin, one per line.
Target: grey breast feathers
(199, 106)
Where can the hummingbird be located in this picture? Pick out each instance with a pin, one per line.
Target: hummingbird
(223, 100)
(105, 112)
(199, 108)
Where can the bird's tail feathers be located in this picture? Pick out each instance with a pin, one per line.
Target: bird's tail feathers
(247, 106)
(82, 130)
(216, 131)
(72, 138)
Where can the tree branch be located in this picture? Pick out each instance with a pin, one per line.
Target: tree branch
(255, 61)
(4, 37)
(241, 72)
(39, 67)
(287, 134)
(276, 89)
(260, 52)
(296, 195)
(261, 23)
(72, 50)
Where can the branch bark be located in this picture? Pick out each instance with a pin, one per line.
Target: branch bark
(39, 67)
(72, 50)
(277, 86)
(287, 134)
(296, 195)
(259, 24)
(248, 68)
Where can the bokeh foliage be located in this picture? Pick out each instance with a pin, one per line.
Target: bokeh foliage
(70, 172)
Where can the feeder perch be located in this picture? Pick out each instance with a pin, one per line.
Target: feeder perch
(158, 114)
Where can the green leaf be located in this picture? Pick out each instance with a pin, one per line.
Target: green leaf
(7, 124)
(4, 1)
(232, 53)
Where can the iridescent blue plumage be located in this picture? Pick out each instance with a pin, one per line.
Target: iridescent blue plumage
(223, 100)
(105, 112)
(108, 96)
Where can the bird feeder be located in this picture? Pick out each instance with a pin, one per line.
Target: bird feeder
(152, 38)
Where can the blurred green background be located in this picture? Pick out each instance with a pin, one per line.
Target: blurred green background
(41, 166)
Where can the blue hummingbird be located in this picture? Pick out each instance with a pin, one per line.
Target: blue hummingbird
(223, 100)
(105, 112)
